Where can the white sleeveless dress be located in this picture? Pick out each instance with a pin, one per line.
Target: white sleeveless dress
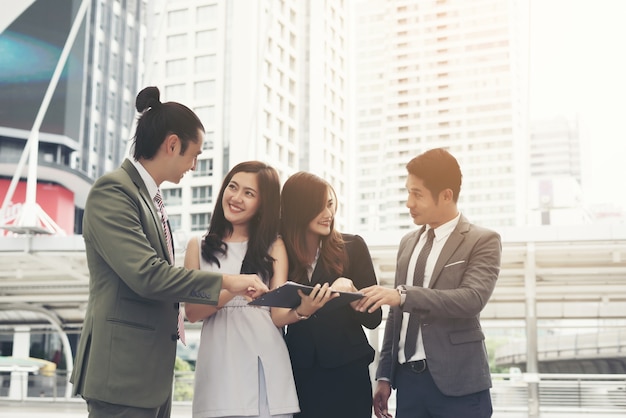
(243, 367)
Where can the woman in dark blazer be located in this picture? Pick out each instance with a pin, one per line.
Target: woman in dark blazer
(330, 353)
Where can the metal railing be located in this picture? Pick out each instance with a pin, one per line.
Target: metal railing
(561, 392)
(607, 343)
(576, 393)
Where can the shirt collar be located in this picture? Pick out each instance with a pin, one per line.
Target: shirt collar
(146, 177)
(444, 230)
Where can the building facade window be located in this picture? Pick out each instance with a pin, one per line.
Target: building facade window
(175, 222)
(206, 115)
(174, 68)
(206, 15)
(204, 90)
(177, 18)
(200, 221)
(209, 141)
(204, 168)
(205, 64)
(206, 39)
(176, 43)
(174, 92)
(201, 194)
(173, 196)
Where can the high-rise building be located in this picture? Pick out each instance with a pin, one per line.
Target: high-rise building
(116, 35)
(268, 80)
(85, 128)
(555, 194)
(555, 148)
(440, 73)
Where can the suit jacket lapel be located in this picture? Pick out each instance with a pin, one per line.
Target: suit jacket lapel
(149, 203)
(405, 256)
(454, 240)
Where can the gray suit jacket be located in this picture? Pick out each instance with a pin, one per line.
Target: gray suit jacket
(128, 343)
(462, 282)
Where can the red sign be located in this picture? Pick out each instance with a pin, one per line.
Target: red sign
(56, 201)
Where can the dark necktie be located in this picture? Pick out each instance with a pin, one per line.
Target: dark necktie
(410, 343)
(170, 249)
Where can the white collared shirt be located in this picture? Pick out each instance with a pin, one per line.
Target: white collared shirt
(146, 177)
(311, 268)
(148, 181)
(442, 232)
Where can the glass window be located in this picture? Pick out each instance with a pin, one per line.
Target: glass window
(177, 18)
(206, 64)
(176, 42)
(174, 92)
(201, 194)
(200, 221)
(206, 115)
(204, 90)
(206, 39)
(207, 15)
(109, 146)
(116, 27)
(172, 196)
(175, 222)
(209, 141)
(204, 168)
(175, 67)
(112, 104)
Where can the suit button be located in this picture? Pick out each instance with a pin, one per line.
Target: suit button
(174, 337)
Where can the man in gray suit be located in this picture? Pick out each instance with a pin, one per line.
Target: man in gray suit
(125, 358)
(433, 350)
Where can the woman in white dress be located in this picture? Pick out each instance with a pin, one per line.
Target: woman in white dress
(243, 367)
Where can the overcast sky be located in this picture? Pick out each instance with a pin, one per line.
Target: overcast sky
(578, 66)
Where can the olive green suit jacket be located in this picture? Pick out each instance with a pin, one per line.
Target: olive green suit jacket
(127, 347)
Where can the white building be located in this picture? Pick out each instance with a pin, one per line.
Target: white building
(268, 80)
(441, 73)
(555, 194)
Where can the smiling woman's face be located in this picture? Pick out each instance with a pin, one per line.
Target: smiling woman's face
(322, 223)
(241, 199)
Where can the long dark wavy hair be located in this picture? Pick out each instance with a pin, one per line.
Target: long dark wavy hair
(303, 197)
(263, 226)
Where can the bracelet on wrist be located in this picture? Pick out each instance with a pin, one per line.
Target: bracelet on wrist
(301, 317)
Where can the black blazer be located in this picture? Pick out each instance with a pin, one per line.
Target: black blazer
(336, 337)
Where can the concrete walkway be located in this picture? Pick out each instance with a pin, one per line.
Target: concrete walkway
(62, 409)
(77, 409)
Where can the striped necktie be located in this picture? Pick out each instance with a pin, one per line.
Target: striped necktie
(166, 226)
(158, 200)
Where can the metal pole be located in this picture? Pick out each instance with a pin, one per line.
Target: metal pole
(532, 366)
(34, 132)
(14, 181)
(530, 274)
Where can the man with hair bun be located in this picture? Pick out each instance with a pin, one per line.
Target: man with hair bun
(125, 358)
